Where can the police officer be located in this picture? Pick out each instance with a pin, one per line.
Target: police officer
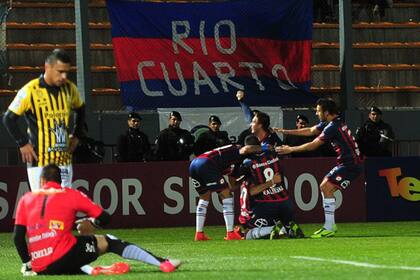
(212, 138)
(375, 137)
(174, 143)
(134, 145)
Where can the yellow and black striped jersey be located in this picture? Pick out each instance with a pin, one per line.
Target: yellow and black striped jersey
(47, 111)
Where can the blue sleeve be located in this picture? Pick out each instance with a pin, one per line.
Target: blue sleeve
(321, 125)
(247, 112)
(328, 133)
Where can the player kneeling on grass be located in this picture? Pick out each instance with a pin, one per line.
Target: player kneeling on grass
(46, 217)
(264, 199)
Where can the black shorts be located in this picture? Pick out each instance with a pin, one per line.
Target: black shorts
(82, 253)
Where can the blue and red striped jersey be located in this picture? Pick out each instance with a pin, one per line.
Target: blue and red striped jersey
(262, 169)
(339, 135)
(224, 157)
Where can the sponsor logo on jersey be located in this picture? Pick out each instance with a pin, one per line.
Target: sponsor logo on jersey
(41, 253)
(56, 225)
(60, 132)
(266, 163)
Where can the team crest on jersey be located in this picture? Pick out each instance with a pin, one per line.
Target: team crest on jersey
(222, 181)
(56, 225)
(195, 183)
(338, 178)
(60, 133)
(345, 184)
(38, 93)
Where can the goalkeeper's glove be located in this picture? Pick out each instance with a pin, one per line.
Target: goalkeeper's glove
(26, 269)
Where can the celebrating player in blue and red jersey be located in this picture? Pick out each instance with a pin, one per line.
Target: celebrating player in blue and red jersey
(264, 199)
(334, 130)
(207, 172)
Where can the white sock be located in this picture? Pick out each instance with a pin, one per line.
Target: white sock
(133, 252)
(228, 213)
(329, 209)
(200, 215)
(257, 233)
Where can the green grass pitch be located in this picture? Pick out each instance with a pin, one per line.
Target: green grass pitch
(359, 251)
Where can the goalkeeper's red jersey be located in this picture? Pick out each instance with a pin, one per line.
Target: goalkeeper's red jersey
(49, 215)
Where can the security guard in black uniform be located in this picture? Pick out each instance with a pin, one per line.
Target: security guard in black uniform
(212, 138)
(134, 145)
(375, 137)
(174, 143)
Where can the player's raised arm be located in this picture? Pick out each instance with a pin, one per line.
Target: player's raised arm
(240, 96)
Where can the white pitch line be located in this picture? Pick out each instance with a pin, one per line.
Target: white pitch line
(360, 264)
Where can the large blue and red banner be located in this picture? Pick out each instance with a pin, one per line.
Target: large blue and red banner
(200, 54)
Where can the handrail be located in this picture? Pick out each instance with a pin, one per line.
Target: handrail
(368, 45)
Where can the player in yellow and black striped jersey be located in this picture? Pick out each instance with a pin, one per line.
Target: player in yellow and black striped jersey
(47, 102)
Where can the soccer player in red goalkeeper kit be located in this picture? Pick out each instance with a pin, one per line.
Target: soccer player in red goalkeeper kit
(46, 218)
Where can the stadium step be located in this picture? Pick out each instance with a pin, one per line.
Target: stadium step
(366, 52)
(20, 53)
(55, 11)
(370, 32)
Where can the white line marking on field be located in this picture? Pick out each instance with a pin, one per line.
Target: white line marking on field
(361, 264)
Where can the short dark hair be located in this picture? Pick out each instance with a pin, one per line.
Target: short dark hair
(263, 119)
(327, 105)
(51, 173)
(58, 54)
(175, 114)
(252, 140)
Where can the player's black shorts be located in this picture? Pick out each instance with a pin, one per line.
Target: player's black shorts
(269, 213)
(82, 253)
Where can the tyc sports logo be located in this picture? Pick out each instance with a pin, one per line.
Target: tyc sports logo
(407, 187)
(60, 133)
